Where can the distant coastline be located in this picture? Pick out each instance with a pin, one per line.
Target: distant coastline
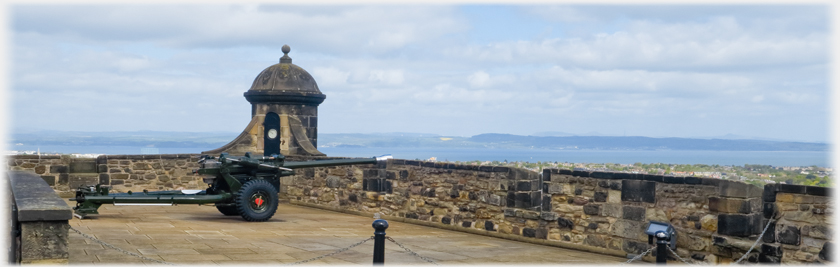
(500, 147)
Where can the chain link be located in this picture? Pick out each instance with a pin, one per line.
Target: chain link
(411, 252)
(681, 259)
(119, 249)
(329, 254)
(639, 256)
(756, 241)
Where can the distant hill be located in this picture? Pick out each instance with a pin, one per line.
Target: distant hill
(407, 140)
(643, 143)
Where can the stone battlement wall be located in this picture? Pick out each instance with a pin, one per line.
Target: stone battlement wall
(716, 220)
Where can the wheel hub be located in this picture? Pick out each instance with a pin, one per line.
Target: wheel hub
(258, 201)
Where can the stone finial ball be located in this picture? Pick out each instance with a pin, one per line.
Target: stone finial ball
(286, 49)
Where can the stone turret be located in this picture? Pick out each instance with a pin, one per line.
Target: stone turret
(284, 113)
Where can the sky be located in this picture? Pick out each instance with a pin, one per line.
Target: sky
(760, 71)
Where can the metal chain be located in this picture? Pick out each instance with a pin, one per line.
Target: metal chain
(756, 241)
(681, 259)
(411, 252)
(330, 254)
(119, 249)
(639, 256)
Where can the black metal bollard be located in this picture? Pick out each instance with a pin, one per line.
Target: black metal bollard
(379, 241)
(661, 247)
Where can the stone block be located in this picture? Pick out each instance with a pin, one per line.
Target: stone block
(541, 233)
(523, 200)
(546, 202)
(82, 180)
(693, 180)
(817, 231)
(592, 209)
(638, 191)
(565, 223)
(784, 197)
(673, 180)
(83, 167)
(762, 258)
(769, 210)
(44, 242)
(524, 186)
(333, 181)
(595, 241)
(653, 178)
(612, 210)
(604, 184)
(555, 189)
(634, 247)
(64, 178)
(818, 191)
(769, 193)
(627, 228)
(600, 197)
(56, 169)
(733, 205)
(735, 189)
(633, 213)
(790, 188)
(510, 200)
(770, 235)
(735, 225)
(771, 250)
(602, 175)
(548, 216)
(488, 226)
(788, 234)
(567, 208)
(536, 200)
(104, 179)
(614, 196)
(529, 232)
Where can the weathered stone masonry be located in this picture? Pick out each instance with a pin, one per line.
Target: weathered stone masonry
(716, 220)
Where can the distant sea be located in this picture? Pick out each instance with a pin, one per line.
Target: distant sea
(739, 158)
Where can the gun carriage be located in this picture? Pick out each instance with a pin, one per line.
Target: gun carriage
(246, 186)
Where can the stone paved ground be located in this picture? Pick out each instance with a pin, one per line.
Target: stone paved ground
(191, 234)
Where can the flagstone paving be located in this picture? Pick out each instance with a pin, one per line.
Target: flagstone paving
(191, 234)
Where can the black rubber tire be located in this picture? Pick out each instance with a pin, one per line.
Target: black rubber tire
(228, 210)
(256, 201)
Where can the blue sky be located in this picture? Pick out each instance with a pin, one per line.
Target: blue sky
(642, 70)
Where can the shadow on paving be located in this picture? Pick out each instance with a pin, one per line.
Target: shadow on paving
(192, 234)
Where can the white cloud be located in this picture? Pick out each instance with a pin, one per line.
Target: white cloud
(478, 79)
(606, 66)
(390, 77)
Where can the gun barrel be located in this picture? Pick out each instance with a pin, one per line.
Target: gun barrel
(258, 165)
(149, 198)
(328, 163)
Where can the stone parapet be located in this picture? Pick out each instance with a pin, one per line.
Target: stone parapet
(801, 232)
(39, 221)
(599, 210)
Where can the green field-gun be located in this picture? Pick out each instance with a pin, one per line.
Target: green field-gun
(246, 186)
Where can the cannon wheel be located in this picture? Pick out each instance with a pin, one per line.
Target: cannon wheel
(257, 201)
(228, 210)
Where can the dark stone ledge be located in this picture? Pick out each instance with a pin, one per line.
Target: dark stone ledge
(35, 200)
